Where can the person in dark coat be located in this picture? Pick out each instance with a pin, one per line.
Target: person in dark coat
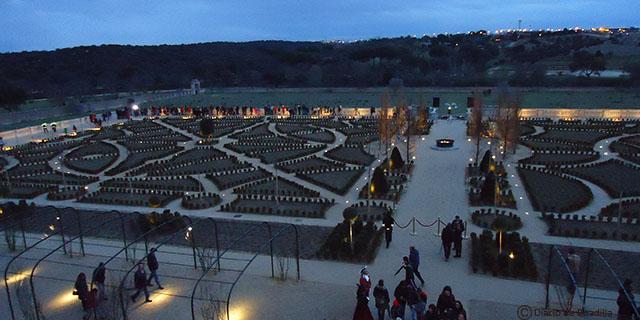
(446, 301)
(432, 313)
(381, 295)
(626, 301)
(414, 261)
(408, 272)
(92, 303)
(140, 283)
(458, 229)
(459, 309)
(81, 289)
(400, 294)
(387, 223)
(447, 238)
(98, 278)
(152, 263)
(362, 307)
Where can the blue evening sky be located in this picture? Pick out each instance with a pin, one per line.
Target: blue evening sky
(51, 24)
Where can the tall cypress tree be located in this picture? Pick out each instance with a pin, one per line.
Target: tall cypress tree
(396, 159)
(379, 183)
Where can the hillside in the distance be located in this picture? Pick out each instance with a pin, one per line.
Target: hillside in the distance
(477, 59)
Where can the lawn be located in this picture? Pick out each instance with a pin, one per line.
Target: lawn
(354, 97)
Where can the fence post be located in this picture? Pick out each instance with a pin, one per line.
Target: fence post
(24, 237)
(146, 244)
(273, 274)
(215, 226)
(297, 251)
(80, 230)
(546, 299)
(193, 246)
(586, 280)
(124, 236)
(61, 225)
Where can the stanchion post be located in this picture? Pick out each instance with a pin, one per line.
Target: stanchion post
(413, 222)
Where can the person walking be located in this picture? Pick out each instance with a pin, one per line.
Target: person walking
(421, 307)
(365, 280)
(387, 223)
(45, 128)
(140, 283)
(98, 278)
(400, 294)
(447, 238)
(381, 295)
(54, 126)
(414, 261)
(152, 263)
(362, 307)
(92, 304)
(458, 229)
(626, 302)
(408, 272)
(413, 298)
(81, 290)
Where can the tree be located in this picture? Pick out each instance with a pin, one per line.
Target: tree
(475, 124)
(486, 161)
(384, 122)
(587, 63)
(379, 185)
(508, 118)
(11, 97)
(206, 128)
(396, 160)
(488, 190)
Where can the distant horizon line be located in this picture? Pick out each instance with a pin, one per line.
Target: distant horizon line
(338, 40)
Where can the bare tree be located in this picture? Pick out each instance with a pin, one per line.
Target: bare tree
(475, 124)
(508, 118)
(384, 122)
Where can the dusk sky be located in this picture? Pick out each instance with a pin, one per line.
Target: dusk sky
(51, 24)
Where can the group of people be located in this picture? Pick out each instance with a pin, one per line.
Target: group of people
(406, 294)
(91, 297)
(452, 235)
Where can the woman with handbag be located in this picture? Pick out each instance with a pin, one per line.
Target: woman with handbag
(81, 289)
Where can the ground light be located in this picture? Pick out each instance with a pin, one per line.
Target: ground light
(512, 256)
(238, 313)
(15, 278)
(64, 299)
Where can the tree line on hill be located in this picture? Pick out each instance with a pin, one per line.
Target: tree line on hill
(474, 59)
